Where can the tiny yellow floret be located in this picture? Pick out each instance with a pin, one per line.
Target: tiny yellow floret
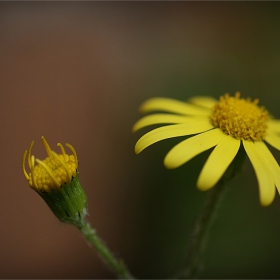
(241, 118)
(52, 172)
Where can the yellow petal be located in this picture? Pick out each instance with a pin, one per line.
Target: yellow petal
(170, 131)
(203, 101)
(264, 176)
(191, 147)
(218, 162)
(274, 124)
(270, 162)
(161, 119)
(272, 139)
(174, 106)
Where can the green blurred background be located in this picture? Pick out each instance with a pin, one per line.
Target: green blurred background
(77, 72)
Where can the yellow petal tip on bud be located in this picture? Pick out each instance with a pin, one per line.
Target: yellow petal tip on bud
(56, 180)
(52, 172)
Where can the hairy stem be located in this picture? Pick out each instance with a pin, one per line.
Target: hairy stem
(114, 263)
(200, 232)
(204, 222)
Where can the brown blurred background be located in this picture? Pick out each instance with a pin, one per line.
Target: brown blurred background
(77, 72)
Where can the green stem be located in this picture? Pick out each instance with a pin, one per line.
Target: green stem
(205, 220)
(200, 232)
(116, 264)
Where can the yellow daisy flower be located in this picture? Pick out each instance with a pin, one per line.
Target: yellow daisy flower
(222, 124)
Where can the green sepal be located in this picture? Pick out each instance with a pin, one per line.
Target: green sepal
(68, 203)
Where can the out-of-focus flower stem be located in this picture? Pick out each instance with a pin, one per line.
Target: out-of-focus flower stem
(199, 234)
(107, 256)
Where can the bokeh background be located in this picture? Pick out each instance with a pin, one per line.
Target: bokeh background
(77, 72)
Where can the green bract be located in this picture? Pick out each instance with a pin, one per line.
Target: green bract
(69, 203)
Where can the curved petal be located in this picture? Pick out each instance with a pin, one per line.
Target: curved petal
(264, 176)
(272, 139)
(274, 124)
(162, 119)
(174, 106)
(204, 101)
(218, 162)
(270, 162)
(191, 147)
(171, 131)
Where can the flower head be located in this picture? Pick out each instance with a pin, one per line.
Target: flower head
(51, 172)
(223, 124)
(56, 180)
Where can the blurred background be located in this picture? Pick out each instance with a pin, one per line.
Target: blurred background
(77, 72)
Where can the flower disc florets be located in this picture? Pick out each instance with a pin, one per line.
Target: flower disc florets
(52, 172)
(56, 180)
(241, 118)
(44, 180)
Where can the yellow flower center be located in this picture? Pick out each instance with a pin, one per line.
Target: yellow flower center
(52, 172)
(62, 173)
(241, 118)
